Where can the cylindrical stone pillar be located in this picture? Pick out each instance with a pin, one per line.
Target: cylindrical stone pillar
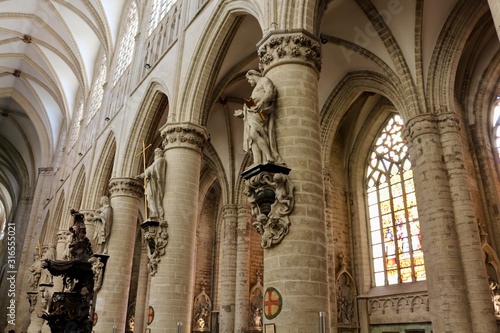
(297, 267)
(476, 279)
(242, 290)
(89, 217)
(329, 218)
(62, 242)
(142, 292)
(171, 289)
(449, 308)
(228, 269)
(111, 304)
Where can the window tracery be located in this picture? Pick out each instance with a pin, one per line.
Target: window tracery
(76, 125)
(127, 44)
(98, 90)
(159, 8)
(394, 225)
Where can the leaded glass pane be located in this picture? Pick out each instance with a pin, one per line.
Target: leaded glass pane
(392, 209)
(127, 43)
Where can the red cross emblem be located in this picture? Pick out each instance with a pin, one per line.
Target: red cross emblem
(151, 314)
(272, 303)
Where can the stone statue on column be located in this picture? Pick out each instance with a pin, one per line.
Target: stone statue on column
(103, 223)
(258, 117)
(154, 185)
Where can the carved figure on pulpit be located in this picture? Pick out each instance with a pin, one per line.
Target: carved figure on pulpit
(49, 254)
(258, 116)
(66, 253)
(154, 185)
(36, 272)
(103, 224)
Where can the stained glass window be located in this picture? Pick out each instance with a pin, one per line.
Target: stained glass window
(127, 44)
(159, 8)
(392, 209)
(496, 125)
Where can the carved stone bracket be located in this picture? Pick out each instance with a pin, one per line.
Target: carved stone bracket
(156, 237)
(98, 262)
(290, 46)
(270, 193)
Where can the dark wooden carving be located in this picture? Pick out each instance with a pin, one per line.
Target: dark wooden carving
(70, 310)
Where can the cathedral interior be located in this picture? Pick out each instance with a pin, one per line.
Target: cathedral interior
(250, 166)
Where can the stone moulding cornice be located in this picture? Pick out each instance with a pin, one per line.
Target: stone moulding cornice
(126, 187)
(297, 46)
(186, 135)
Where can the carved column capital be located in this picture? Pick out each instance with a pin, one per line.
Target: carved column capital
(229, 210)
(46, 171)
(420, 125)
(289, 46)
(244, 210)
(448, 122)
(88, 215)
(62, 235)
(126, 187)
(185, 135)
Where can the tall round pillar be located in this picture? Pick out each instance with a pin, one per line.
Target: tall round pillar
(242, 292)
(447, 287)
(142, 292)
(476, 279)
(297, 267)
(228, 269)
(171, 287)
(112, 298)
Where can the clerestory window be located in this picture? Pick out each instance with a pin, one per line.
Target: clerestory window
(97, 90)
(159, 9)
(127, 44)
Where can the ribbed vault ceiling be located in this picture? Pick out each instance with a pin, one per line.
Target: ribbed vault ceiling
(47, 56)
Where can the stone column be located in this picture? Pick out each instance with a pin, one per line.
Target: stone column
(142, 292)
(30, 227)
(447, 287)
(90, 226)
(62, 239)
(111, 303)
(476, 279)
(329, 218)
(171, 291)
(242, 292)
(228, 270)
(297, 267)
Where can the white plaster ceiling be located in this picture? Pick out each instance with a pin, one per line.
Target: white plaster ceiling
(47, 56)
